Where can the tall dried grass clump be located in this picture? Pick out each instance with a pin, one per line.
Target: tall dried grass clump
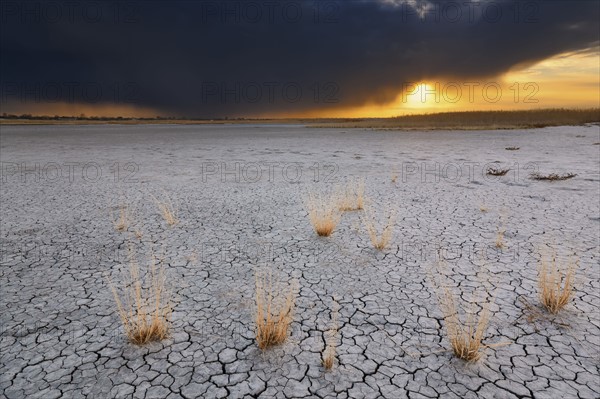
(465, 336)
(555, 283)
(500, 239)
(144, 305)
(465, 328)
(351, 196)
(329, 354)
(500, 234)
(379, 241)
(323, 212)
(167, 209)
(275, 304)
(123, 219)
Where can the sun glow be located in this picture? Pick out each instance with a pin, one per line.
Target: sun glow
(568, 80)
(421, 95)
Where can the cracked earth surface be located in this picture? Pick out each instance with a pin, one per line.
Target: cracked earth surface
(61, 336)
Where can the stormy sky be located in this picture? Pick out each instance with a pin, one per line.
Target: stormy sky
(245, 58)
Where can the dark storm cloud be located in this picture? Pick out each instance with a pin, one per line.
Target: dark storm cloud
(241, 58)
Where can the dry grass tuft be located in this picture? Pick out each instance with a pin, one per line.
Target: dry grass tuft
(274, 309)
(552, 176)
(167, 209)
(500, 239)
(555, 284)
(379, 241)
(323, 212)
(465, 338)
(329, 356)
(351, 197)
(465, 333)
(123, 221)
(501, 230)
(512, 148)
(330, 339)
(146, 307)
(497, 172)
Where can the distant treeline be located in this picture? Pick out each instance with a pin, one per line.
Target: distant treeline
(478, 120)
(463, 120)
(83, 117)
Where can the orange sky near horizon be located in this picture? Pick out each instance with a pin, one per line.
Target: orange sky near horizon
(569, 80)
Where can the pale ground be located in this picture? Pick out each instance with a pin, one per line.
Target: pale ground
(61, 337)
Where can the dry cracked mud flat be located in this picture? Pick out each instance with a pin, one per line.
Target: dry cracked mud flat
(238, 193)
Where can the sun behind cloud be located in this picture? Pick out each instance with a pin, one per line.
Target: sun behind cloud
(568, 80)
